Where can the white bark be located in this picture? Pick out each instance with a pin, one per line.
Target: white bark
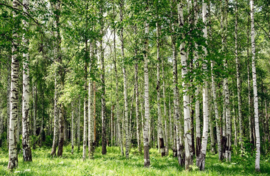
(160, 131)
(13, 155)
(201, 161)
(125, 81)
(187, 119)
(27, 155)
(146, 100)
(255, 94)
(238, 80)
(165, 113)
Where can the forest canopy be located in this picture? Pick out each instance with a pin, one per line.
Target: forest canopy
(188, 78)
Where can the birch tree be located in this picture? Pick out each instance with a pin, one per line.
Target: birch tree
(13, 154)
(27, 154)
(255, 94)
(160, 132)
(201, 161)
(146, 96)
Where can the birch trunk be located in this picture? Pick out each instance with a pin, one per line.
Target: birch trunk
(59, 58)
(187, 119)
(103, 105)
(137, 101)
(248, 79)
(27, 154)
(201, 160)
(197, 102)
(125, 81)
(238, 80)
(90, 110)
(165, 112)
(85, 114)
(13, 154)
(227, 99)
(146, 98)
(72, 128)
(160, 131)
(79, 126)
(8, 101)
(35, 111)
(55, 128)
(256, 111)
(1, 127)
(119, 134)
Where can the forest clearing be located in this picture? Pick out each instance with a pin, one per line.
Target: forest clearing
(134, 87)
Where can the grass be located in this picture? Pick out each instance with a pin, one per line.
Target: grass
(114, 164)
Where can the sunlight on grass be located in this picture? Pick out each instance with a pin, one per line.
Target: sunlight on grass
(115, 164)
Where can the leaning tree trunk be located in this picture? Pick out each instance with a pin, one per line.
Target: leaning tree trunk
(125, 80)
(27, 154)
(146, 98)
(238, 80)
(160, 132)
(201, 160)
(256, 111)
(187, 119)
(13, 154)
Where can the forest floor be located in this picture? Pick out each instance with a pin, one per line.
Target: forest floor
(114, 164)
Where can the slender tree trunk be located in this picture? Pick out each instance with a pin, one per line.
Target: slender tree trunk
(137, 101)
(146, 98)
(117, 96)
(160, 131)
(8, 101)
(35, 111)
(125, 80)
(197, 101)
(61, 108)
(72, 128)
(238, 79)
(1, 127)
(90, 110)
(256, 112)
(187, 119)
(13, 154)
(27, 154)
(85, 114)
(55, 128)
(248, 79)
(165, 112)
(201, 160)
(227, 99)
(79, 125)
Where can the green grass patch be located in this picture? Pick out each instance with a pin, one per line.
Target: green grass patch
(115, 164)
